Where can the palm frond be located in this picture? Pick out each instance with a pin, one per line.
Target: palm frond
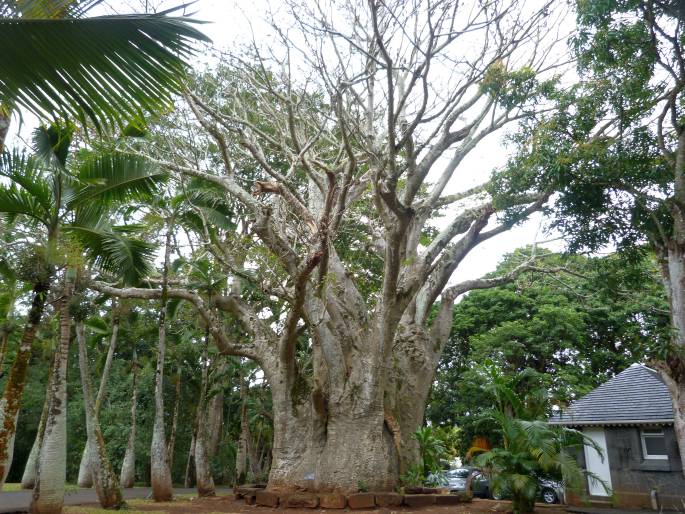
(50, 9)
(117, 177)
(111, 250)
(15, 201)
(107, 69)
(23, 171)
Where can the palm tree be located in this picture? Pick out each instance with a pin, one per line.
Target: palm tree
(531, 447)
(160, 471)
(102, 473)
(128, 466)
(107, 70)
(85, 478)
(65, 210)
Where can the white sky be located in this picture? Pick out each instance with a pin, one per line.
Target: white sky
(232, 23)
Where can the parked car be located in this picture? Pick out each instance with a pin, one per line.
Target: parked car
(454, 479)
(549, 491)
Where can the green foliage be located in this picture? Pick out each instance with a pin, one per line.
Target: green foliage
(564, 332)
(414, 476)
(531, 447)
(107, 70)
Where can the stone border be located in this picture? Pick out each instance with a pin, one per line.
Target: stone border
(258, 495)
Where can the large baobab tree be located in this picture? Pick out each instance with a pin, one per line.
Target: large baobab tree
(336, 152)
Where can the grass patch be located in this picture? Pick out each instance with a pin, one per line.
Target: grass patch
(10, 488)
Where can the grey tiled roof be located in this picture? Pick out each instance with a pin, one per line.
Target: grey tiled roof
(637, 395)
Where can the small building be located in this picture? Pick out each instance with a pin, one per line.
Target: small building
(630, 418)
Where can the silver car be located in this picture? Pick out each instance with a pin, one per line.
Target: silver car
(454, 479)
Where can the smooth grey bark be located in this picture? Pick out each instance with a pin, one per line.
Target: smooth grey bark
(189, 477)
(174, 420)
(84, 476)
(216, 419)
(128, 466)
(28, 479)
(672, 253)
(203, 474)
(160, 472)
(100, 468)
(48, 493)
(241, 453)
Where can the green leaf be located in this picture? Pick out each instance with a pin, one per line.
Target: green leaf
(107, 69)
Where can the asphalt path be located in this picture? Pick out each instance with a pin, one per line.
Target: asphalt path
(19, 501)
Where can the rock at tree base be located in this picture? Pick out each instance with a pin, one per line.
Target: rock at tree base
(267, 499)
(388, 499)
(419, 500)
(332, 501)
(301, 501)
(361, 501)
(452, 499)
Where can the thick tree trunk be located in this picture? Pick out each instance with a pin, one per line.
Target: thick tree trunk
(16, 380)
(358, 435)
(48, 494)
(672, 370)
(174, 420)
(160, 473)
(100, 468)
(203, 474)
(28, 479)
(84, 476)
(216, 421)
(128, 466)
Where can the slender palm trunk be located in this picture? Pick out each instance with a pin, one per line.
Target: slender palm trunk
(241, 455)
(28, 479)
(159, 458)
(5, 118)
(174, 421)
(48, 493)
(14, 388)
(104, 478)
(128, 466)
(4, 340)
(189, 476)
(84, 475)
(203, 474)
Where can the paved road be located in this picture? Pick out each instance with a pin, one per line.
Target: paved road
(19, 501)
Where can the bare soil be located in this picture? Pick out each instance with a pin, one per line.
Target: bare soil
(223, 504)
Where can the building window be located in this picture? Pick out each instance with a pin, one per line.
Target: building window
(653, 443)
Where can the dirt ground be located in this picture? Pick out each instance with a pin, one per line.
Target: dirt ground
(224, 504)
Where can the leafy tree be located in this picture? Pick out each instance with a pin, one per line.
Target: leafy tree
(567, 331)
(63, 198)
(615, 150)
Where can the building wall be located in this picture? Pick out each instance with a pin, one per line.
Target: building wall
(633, 478)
